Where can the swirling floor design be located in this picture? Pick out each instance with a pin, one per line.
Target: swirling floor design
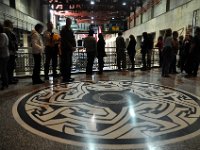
(110, 114)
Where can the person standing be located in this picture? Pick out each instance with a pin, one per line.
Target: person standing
(68, 45)
(101, 52)
(159, 44)
(132, 51)
(144, 50)
(185, 53)
(149, 51)
(4, 57)
(120, 50)
(175, 47)
(37, 49)
(194, 55)
(91, 49)
(181, 48)
(51, 50)
(13, 47)
(167, 53)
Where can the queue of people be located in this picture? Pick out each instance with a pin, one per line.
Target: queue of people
(189, 53)
(193, 59)
(53, 44)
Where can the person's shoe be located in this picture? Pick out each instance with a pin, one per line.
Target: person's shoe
(38, 82)
(12, 82)
(68, 80)
(143, 69)
(46, 78)
(71, 79)
(188, 76)
(55, 76)
(119, 70)
(175, 72)
(132, 69)
(15, 79)
(89, 73)
(100, 72)
(194, 75)
(4, 87)
(166, 76)
(148, 68)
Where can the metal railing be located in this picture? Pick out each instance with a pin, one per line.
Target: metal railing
(25, 62)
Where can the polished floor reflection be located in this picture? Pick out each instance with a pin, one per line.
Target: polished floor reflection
(116, 110)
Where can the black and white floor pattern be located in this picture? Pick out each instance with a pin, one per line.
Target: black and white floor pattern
(110, 114)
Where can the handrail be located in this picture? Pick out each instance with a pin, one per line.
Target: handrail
(25, 60)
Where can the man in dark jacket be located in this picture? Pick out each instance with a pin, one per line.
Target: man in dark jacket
(91, 47)
(120, 49)
(68, 45)
(13, 47)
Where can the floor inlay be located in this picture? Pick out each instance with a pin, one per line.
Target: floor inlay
(110, 114)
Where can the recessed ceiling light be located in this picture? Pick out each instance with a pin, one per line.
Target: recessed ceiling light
(92, 2)
(113, 18)
(124, 3)
(92, 17)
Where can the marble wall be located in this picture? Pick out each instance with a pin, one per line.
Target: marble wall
(26, 14)
(179, 17)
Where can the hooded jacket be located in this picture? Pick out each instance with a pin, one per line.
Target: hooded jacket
(37, 43)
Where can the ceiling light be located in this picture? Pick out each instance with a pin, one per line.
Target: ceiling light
(92, 22)
(124, 3)
(113, 18)
(92, 17)
(92, 2)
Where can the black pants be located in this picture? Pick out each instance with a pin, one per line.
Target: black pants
(149, 53)
(144, 62)
(90, 62)
(192, 66)
(132, 59)
(173, 64)
(51, 55)
(121, 57)
(3, 71)
(36, 68)
(65, 65)
(167, 58)
(160, 58)
(11, 67)
(101, 64)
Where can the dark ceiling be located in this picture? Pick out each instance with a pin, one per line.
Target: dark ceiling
(100, 10)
